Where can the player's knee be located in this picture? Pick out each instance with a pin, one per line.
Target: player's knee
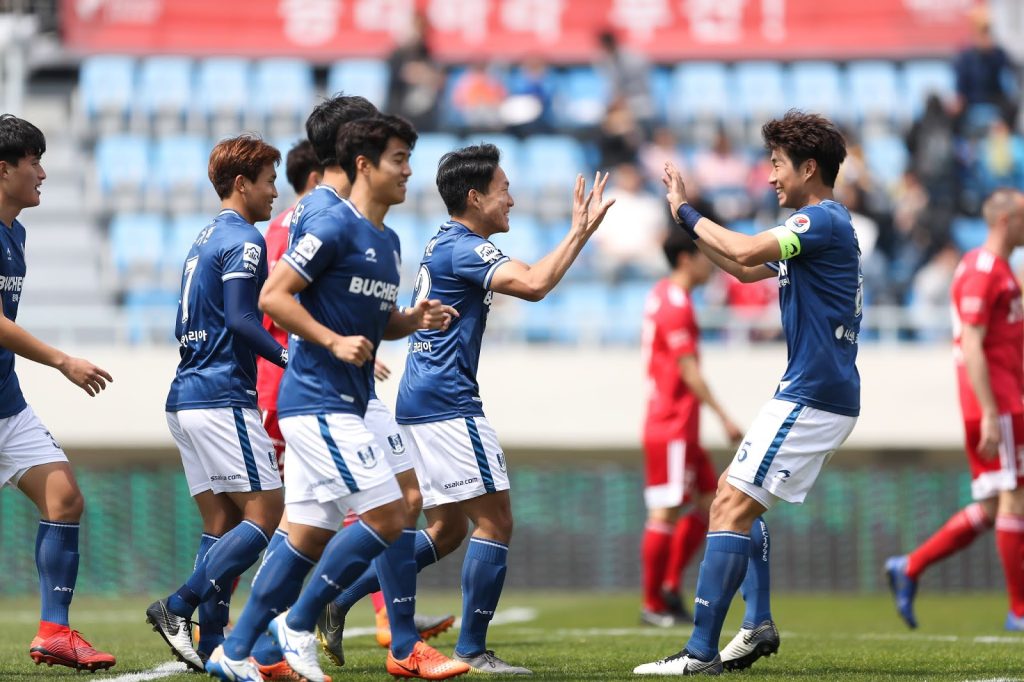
(413, 505)
(449, 534)
(732, 510)
(267, 513)
(66, 505)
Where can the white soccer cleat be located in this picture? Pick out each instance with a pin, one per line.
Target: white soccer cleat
(222, 667)
(300, 649)
(750, 644)
(681, 664)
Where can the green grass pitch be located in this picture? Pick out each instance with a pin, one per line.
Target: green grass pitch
(591, 636)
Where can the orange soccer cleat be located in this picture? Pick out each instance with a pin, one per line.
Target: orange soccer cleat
(282, 671)
(426, 663)
(68, 647)
(428, 626)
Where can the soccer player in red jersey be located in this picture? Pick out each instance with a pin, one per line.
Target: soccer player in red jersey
(988, 346)
(679, 472)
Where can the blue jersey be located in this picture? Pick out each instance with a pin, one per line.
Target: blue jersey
(440, 370)
(12, 276)
(821, 296)
(353, 270)
(216, 370)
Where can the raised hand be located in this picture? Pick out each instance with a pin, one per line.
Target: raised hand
(85, 375)
(582, 217)
(354, 350)
(676, 188)
(597, 197)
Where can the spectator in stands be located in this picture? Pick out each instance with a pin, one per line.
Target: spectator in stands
(619, 137)
(1001, 158)
(929, 294)
(663, 146)
(985, 76)
(477, 97)
(932, 146)
(628, 73)
(722, 176)
(416, 80)
(528, 109)
(629, 243)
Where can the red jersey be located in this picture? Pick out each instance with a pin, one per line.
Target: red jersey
(985, 292)
(669, 332)
(268, 375)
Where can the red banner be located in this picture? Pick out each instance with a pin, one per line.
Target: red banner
(562, 30)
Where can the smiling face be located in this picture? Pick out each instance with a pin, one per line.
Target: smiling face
(388, 179)
(494, 206)
(20, 183)
(788, 180)
(259, 195)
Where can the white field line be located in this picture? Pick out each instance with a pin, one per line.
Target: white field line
(162, 670)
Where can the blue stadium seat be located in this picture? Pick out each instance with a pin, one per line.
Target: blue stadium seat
(661, 90)
(817, 88)
(413, 232)
(525, 239)
(151, 314)
(581, 98)
(551, 161)
(874, 90)
(137, 241)
(430, 147)
(283, 86)
(366, 77)
(106, 84)
(180, 164)
(586, 312)
(700, 90)
(969, 233)
(223, 85)
(165, 85)
(122, 163)
(179, 239)
(760, 89)
(627, 310)
(922, 77)
(886, 156)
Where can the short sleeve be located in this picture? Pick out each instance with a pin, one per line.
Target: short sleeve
(315, 250)
(678, 330)
(805, 233)
(476, 259)
(975, 297)
(243, 259)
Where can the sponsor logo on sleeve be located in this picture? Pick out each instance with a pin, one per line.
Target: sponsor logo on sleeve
(488, 252)
(799, 222)
(306, 248)
(251, 256)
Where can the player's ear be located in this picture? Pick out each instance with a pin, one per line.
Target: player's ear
(362, 164)
(239, 184)
(4, 168)
(810, 166)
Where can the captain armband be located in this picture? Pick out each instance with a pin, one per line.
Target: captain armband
(788, 242)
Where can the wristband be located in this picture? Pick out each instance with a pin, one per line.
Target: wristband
(689, 217)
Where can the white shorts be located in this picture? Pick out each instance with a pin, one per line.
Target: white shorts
(224, 449)
(331, 457)
(459, 459)
(784, 450)
(25, 443)
(330, 515)
(400, 453)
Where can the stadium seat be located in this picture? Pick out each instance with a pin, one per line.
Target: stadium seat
(366, 77)
(969, 233)
(585, 312)
(661, 90)
(106, 85)
(525, 239)
(122, 163)
(886, 156)
(165, 86)
(151, 315)
(700, 90)
(413, 232)
(137, 242)
(874, 90)
(626, 305)
(180, 167)
(223, 86)
(760, 89)
(922, 77)
(430, 147)
(182, 234)
(282, 87)
(817, 88)
(582, 96)
(551, 161)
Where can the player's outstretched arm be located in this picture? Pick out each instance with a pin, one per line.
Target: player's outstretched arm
(972, 340)
(277, 299)
(79, 371)
(750, 253)
(689, 371)
(427, 314)
(243, 319)
(533, 283)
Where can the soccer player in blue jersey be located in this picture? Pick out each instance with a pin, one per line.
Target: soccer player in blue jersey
(815, 256)
(464, 474)
(335, 292)
(229, 460)
(30, 458)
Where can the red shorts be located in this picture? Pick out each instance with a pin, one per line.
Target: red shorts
(276, 437)
(1005, 471)
(677, 471)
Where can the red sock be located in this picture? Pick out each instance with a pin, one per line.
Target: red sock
(48, 629)
(378, 601)
(960, 530)
(350, 518)
(654, 551)
(1010, 543)
(689, 535)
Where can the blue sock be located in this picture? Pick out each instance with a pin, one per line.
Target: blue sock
(483, 576)
(725, 563)
(368, 582)
(57, 565)
(274, 588)
(236, 551)
(396, 567)
(756, 588)
(211, 615)
(344, 559)
(266, 651)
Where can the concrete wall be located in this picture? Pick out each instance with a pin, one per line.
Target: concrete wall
(556, 397)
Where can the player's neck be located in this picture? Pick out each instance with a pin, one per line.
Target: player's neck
(815, 195)
(475, 226)
(335, 177)
(681, 279)
(998, 244)
(363, 200)
(238, 206)
(8, 213)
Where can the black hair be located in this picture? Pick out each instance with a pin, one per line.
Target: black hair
(327, 117)
(677, 242)
(301, 161)
(19, 138)
(464, 169)
(807, 136)
(369, 137)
